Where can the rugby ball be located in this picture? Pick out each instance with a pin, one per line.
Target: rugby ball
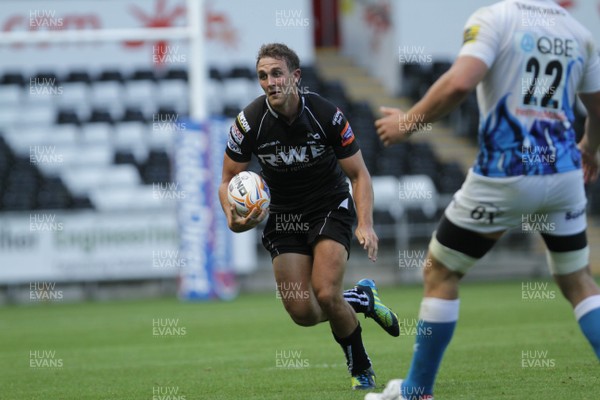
(247, 191)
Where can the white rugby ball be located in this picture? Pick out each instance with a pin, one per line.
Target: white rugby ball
(247, 191)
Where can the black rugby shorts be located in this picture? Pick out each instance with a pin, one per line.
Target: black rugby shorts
(297, 232)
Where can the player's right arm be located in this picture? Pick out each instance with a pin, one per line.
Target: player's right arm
(237, 157)
(236, 222)
(590, 142)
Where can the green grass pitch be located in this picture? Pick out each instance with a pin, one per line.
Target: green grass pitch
(505, 347)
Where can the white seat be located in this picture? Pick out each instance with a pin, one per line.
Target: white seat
(81, 181)
(174, 94)
(10, 115)
(386, 194)
(131, 136)
(10, 94)
(51, 159)
(71, 156)
(22, 139)
(122, 175)
(418, 192)
(41, 94)
(106, 93)
(162, 136)
(172, 90)
(112, 199)
(142, 197)
(74, 94)
(141, 90)
(236, 92)
(214, 91)
(96, 132)
(99, 154)
(38, 114)
(63, 134)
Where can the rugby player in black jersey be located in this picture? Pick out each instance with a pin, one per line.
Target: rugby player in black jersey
(306, 149)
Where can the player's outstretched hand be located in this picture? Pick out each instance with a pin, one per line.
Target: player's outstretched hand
(590, 164)
(238, 223)
(390, 128)
(368, 240)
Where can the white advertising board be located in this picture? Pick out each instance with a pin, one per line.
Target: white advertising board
(88, 245)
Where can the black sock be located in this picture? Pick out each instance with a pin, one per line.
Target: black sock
(354, 350)
(357, 299)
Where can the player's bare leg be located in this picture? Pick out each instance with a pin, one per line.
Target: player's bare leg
(327, 281)
(439, 281)
(577, 286)
(293, 276)
(329, 265)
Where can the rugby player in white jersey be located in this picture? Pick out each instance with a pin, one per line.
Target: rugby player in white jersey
(529, 166)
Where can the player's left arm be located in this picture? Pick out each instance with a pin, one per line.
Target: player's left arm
(442, 97)
(355, 169)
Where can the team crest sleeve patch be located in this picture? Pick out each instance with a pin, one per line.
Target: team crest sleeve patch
(470, 34)
(347, 135)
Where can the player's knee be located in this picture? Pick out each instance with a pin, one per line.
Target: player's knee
(304, 317)
(328, 299)
(435, 270)
(302, 314)
(577, 285)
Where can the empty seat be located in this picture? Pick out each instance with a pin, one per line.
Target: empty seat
(418, 192)
(81, 76)
(157, 168)
(138, 91)
(21, 140)
(213, 92)
(13, 77)
(38, 114)
(63, 134)
(131, 136)
(10, 115)
(73, 94)
(124, 157)
(106, 93)
(101, 115)
(133, 115)
(96, 132)
(386, 189)
(10, 94)
(54, 159)
(162, 136)
(67, 116)
(80, 181)
(172, 91)
(143, 197)
(176, 74)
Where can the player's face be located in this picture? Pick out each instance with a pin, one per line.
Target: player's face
(277, 81)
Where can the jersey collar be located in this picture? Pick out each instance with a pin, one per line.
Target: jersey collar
(276, 114)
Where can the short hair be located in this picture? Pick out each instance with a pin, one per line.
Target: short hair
(279, 51)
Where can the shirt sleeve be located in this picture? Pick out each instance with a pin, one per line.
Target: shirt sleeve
(239, 147)
(482, 36)
(591, 75)
(342, 137)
